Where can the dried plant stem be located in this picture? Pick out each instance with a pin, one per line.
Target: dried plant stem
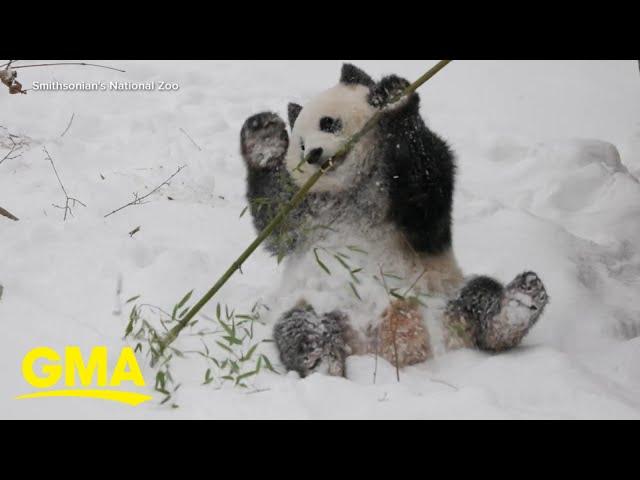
(8, 214)
(70, 202)
(394, 323)
(68, 126)
(15, 147)
(138, 200)
(61, 63)
(172, 334)
(192, 140)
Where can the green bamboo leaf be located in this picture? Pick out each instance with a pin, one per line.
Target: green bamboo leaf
(181, 303)
(357, 249)
(322, 265)
(227, 328)
(206, 349)
(342, 262)
(245, 375)
(224, 347)
(247, 356)
(133, 318)
(232, 340)
(391, 275)
(160, 381)
(132, 299)
(355, 291)
(268, 363)
(178, 353)
(394, 292)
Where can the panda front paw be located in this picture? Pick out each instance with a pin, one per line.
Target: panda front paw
(387, 89)
(264, 140)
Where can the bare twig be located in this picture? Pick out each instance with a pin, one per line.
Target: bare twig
(394, 326)
(138, 200)
(8, 73)
(8, 65)
(134, 231)
(375, 368)
(69, 202)
(189, 137)
(68, 126)
(15, 147)
(65, 63)
(8, 214)
(437, 380)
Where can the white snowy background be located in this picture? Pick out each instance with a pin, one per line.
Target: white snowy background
(549, 161)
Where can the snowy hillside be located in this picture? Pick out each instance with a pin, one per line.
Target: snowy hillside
(549, 167)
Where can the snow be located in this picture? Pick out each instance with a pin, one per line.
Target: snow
(549, 160)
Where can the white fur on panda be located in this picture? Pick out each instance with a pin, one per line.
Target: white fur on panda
(347, 102)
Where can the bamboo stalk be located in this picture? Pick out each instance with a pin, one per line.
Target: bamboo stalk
(293, 203)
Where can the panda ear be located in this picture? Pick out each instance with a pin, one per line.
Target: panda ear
(293, 111)
(352, 75)
(386, 89)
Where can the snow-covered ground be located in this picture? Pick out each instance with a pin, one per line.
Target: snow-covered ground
(549, 161)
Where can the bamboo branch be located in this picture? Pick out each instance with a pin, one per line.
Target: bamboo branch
(172, 334)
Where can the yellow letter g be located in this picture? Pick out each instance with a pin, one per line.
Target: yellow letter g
(51, 373)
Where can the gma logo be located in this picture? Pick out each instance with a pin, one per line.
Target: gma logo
(73, 367)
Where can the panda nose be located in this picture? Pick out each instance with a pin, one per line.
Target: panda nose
(314, 156)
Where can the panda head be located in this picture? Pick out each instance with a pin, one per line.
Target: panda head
(324, 124)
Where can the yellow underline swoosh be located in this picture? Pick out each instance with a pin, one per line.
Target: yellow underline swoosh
(130, 398)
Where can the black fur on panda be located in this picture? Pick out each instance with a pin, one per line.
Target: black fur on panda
(393, 192)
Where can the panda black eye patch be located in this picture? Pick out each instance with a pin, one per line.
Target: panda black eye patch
(330, 125)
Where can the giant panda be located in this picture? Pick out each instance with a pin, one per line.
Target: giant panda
(369, 265)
